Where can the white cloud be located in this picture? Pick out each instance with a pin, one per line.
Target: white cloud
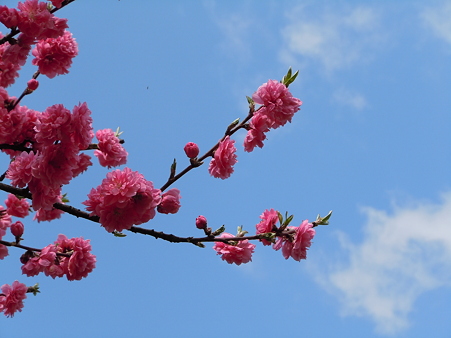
(402, 256)
(439, 20)
(349, 98)
(336, 38)
(235, 28)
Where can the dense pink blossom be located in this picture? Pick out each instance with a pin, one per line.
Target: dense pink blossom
(9, 16)
(10, 70)
(255, 136)
(201, 222)
(17, 229)
(170, 202)
(81, 262)
(221, 166)
(110, 153)
(297, 245)
(54, 124)
(239, 253)
(12, 299)
(57, 3)
(269, 219)
(279, 103)
(48, 215)
(32, 267)
(44, 196)
(19, 171)
(18, 207)
(53, 56)
(35, 20)
(82, 126)
(191, 150)
(123, 199)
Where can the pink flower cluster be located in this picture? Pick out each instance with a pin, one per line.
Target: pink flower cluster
(11, 298)
(17, 207)
(294, 242)
(53, 56)
(278, 108)
(56, 138)
(296, 245)
(37, 25)
(110, 152)
(76, 264)
(221, 166)
(123, 199)
(238, 253)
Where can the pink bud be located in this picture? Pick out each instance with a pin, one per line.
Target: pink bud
(32, 84)
(191, 150)
(201, 222)
(17, 229)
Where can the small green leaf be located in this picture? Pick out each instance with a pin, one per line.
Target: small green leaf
(288, 220)
(118, 234)
(219, 231)
(280, 218)
(199, 244)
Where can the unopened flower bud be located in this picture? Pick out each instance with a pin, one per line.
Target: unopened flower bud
(17, 229)
(191, 150)
(32, 84)
(201, 222)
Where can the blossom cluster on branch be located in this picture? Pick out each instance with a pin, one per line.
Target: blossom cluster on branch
(48, 149)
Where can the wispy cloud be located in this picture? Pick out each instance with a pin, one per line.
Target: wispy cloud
(438, 20)
(350, 98)
(402, 256)
(235, 28)
(336, 38)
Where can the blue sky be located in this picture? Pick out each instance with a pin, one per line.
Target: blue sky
(371, 142)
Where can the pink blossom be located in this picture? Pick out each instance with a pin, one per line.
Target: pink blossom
(5, 221)
(201, 222)
(110, 152)
(36, 21)
(191, 150)
(297, 245)
(82, 126)
(239, 253)
(18, 207)
(44, 196)
(53, 125)
(17, 229)
(9, 69)
(81, 262)
(255, 136)
(19, 171)
(279, 103)
(3, 251)
(9, 16)
(12, 299)
(57, 3)
(269, 219)
(53, 56)
(221, 166)
(123, 199)
(43, 215)
(31, 266)
(170, 202)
